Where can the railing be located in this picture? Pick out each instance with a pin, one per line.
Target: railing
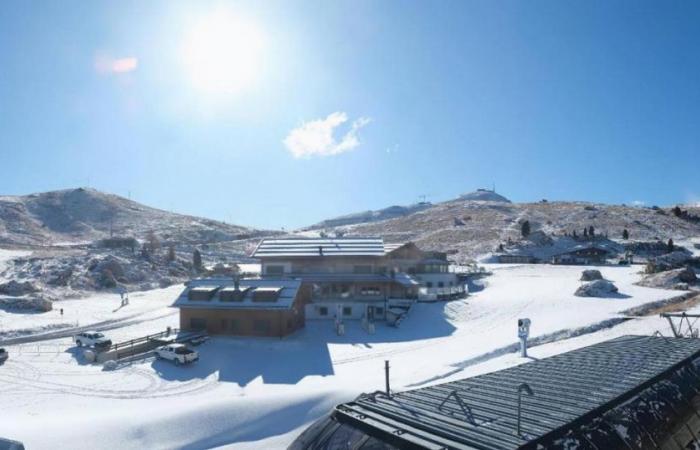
(144, 339)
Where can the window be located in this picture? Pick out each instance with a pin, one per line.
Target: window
(362, 269)
(322, 311)
(234, 325)
(198, 323)
(429, 284)
(370, 291)
(347, 311)
(274, 270)
(379, 311)
(261, 326)
(224, 324)
(441, 284)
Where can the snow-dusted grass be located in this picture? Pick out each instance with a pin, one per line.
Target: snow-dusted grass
(260, 393)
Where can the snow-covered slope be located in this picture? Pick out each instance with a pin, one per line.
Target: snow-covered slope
(259, 393)
(468, 229)
(77, 215)
(391, 212)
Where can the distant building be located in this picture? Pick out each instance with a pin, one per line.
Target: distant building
(516, 259)
(582, 256)
(248, 308)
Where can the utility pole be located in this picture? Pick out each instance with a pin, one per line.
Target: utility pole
(386, 377)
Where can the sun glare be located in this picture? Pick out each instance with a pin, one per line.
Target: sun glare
(222, 53)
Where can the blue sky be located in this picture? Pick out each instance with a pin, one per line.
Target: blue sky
(307, 110)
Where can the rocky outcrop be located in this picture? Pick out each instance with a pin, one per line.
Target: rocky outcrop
(671, 279)
(591, 275)
(32, 302)
(597, 288)
(18, 288)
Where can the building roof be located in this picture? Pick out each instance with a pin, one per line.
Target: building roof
(390, 247)
(570, 390)
(288, 289)
(309, 247)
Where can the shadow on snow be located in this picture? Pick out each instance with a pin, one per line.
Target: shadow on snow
(306, 353)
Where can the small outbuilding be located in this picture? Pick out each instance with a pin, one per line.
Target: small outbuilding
(246, 308)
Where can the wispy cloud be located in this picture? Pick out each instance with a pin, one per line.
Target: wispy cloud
(317, 137)
(108, 65)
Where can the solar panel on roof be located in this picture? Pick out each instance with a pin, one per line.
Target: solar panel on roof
(320, 247)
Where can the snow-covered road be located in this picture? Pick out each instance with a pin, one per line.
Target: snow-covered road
(259, 393)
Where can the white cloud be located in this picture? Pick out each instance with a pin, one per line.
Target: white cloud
(105, 64)
(317, 138)
(638, 203)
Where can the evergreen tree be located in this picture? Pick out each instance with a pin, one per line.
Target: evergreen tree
(525, 228)
(591, 231)
(670, 245)
(625, 234)
(585, 232)
(677, 211)
(197, 260)
(171, 254)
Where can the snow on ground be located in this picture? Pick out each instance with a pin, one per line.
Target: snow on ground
(260, 393)
(99, 310)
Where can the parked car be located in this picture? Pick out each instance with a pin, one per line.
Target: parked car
(92, 339)
(3, 355)
(177, 353)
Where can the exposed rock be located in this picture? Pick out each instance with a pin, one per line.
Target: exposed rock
(597, 288)
(591, 275)
(30, 303)
(17, 288)
(670, 279)
(673, 260)
(113, 265)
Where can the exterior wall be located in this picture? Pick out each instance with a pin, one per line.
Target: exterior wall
(335, 309)
(245, 322)
(329, 264)
(447, 279)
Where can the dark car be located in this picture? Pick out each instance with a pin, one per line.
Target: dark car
(3, 355)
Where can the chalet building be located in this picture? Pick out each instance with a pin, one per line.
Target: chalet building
(583, 256)
(246, 308)
(358, 277)
(507, 258)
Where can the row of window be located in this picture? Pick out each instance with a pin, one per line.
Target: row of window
(347, 311)
(440, 284)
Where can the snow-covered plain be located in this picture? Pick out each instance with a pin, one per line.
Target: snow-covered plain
(260, 393)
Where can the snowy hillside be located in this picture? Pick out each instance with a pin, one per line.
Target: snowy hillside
(468, 229)
(79, 215)
(391, 212)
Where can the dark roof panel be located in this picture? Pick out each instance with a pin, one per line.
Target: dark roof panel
(569, 390)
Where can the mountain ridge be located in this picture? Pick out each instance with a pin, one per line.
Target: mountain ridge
(85, 214)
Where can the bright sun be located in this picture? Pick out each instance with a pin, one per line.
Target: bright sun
(222, 53)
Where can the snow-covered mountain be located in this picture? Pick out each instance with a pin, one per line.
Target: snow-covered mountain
(468, 227)
(79, 215)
